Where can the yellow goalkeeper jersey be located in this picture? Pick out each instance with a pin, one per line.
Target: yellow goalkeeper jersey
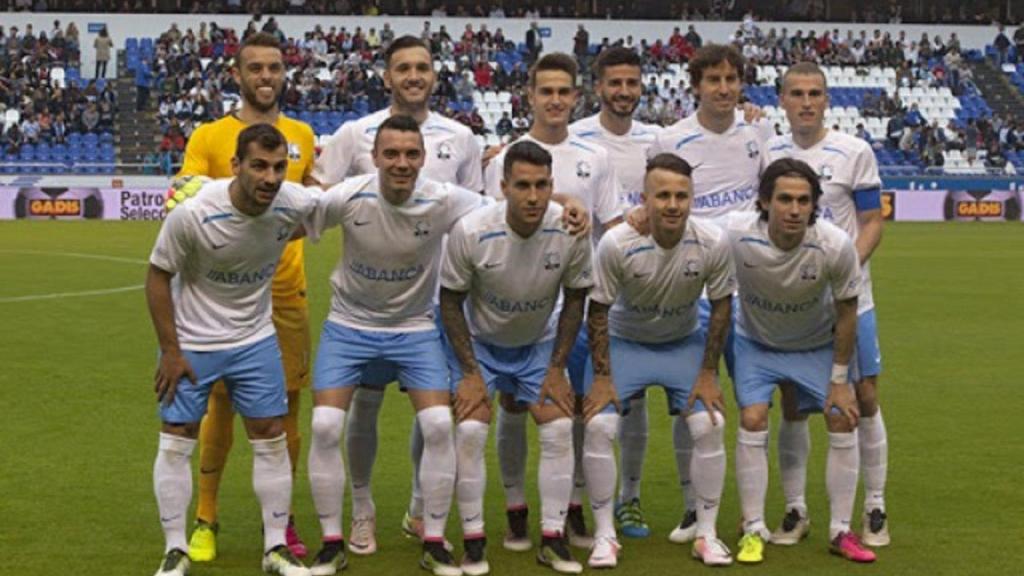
(209, 153)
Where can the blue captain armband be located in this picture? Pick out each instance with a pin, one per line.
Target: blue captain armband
(867, 199)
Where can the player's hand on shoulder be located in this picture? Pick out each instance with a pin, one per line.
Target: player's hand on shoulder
(752, 113)
(183, 188)
(575, 216)
(490, 153)
(173, 367)
(637, 218)
(602, 393)
(556, 388)
(470, 395)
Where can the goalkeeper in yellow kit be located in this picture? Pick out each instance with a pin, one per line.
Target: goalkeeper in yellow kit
(260, 72)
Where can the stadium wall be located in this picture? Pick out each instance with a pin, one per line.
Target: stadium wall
(557, 34)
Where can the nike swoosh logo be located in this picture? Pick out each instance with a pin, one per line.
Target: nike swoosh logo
(217, 246)
(441, 516)
(748, 265)
(170, 519)
(490, 265)
(471, 518)
(279, 514)
(562, 512)
(710, 506)
(695, 166)
(363, 223)
(208, 471)
(639, 275)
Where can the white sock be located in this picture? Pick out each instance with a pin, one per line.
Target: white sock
(512, 453)
(683, 444)
(437, 469)
(874, 459)
(841, 479)
(632, 448)
(361, 448)
(416, 453)
(752, 478)
(708, 469)
(599, 467)
(555, 474)
(327, 470)
(471, 477)
(172, 484)
(272, 482)
(794, 448)
(579, 479)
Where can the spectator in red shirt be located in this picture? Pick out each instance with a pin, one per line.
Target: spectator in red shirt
(482, 74)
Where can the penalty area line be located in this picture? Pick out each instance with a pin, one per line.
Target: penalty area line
(58, 295)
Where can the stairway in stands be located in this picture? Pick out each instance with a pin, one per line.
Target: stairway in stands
(138, 132)
(1002, 96)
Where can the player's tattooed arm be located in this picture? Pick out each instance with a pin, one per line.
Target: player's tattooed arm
(456, 329)
(718, 330)
(597, 331)
(569, 322)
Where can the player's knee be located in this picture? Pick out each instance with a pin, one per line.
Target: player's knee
(600, 432)
(867, 396)
(327, 427)
(264, 428)
(471, 439)
(754, 420)
(436, 425)
(184, 430)
(706, 434)
(839, 423)
(556, 438)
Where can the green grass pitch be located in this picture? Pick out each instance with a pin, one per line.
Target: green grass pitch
(79, 423)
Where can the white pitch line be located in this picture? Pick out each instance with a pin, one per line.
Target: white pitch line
(57, 295)
(69, 294)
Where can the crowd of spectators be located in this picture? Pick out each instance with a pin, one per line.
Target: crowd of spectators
(48, 109)
(888, 11)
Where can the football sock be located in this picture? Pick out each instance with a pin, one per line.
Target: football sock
(216, 435)
(172, 484)
(471, 477)
(632, 449)
(874, 459)
(361, 448)
(555, 474)
(437, 469)
(708, 468)
(272, 482)
(416, 453)
(512, 453)
(683, 444)
(794, 448)
(326, 469)
(599, 466)
(752, 477)
(841, 479)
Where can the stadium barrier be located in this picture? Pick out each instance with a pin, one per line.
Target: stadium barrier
(141, 198)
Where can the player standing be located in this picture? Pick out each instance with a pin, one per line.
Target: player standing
(581, 170)
(798, 284)
(852, 200)
(726, 153)
(644, 331)
(452, 155)
(209, 293)
(512, 261)
(259, 72)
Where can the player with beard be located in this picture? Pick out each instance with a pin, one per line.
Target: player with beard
(259, 71)
(452, 155)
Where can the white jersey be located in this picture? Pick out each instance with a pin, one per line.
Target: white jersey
(726, 167)
(224, 261)
(848, 169)
(514, 283)
(787, 298)
(628, 152)
(388, 273)
(653, 291)
(452, 152)
(579, 169)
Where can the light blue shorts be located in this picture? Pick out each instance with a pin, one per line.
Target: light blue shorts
(518, 371)
(253, 374)
(704, 316)
(869, 354)
(379, 373)
(639, 365)
(345, 355)
(759, 369)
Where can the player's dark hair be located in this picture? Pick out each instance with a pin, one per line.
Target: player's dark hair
(555, 61)
(264, 135)
(615, 56)
(805, 69)
(403, 43)
(398, 123)
(670, 162)
(261, 39)
(792, 168)
(711, 55)
(528, 152)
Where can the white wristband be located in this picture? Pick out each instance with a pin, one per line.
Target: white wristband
(840, 373)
